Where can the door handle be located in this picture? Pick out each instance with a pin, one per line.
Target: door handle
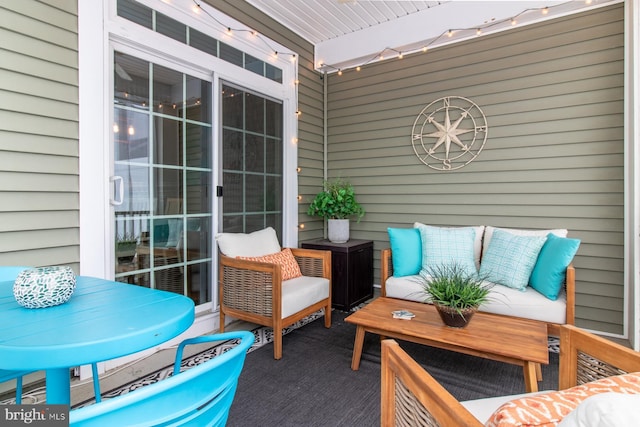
(120, 192)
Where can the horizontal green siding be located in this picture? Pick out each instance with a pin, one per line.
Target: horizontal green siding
(553, 96)
(39, 182)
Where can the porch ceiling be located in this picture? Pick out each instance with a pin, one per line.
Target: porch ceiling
(348, 33)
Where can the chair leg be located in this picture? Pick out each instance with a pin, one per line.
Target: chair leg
(221, 328)
(96, 382)
(277, 340)
(327, 316)
(18, 390)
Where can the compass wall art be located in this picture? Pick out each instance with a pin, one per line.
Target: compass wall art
(449, 133)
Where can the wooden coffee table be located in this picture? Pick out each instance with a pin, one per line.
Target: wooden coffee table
(506, 339)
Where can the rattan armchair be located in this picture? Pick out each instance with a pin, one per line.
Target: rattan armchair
(412, 397)
(253, 291)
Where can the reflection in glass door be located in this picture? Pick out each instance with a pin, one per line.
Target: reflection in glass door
(162, 178)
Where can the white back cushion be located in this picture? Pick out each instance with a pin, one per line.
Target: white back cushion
(258, 243)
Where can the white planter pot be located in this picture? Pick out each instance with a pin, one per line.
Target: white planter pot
(338, 230)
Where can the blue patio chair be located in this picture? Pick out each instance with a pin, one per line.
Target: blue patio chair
(198, 396)
(10, 273)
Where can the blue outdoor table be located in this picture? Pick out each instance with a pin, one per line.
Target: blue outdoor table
(103, 320)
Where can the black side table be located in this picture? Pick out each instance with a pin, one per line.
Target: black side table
(351, 270)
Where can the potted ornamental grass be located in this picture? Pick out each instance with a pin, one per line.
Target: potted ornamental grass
(336, 203)
(454, 292)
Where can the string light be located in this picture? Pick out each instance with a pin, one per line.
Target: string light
(449, 33)
(229, 31)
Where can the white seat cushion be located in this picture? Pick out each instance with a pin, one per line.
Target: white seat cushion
(301, 292)
(406, 287)
(528, 304)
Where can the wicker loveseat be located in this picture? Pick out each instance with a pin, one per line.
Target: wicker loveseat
(505, 300)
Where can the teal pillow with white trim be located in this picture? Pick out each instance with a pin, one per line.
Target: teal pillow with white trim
(510, 259)
(550, 270)
(442, 246)
(406, 251)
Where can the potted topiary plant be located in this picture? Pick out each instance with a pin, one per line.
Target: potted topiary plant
(454, 292)
(336, 203)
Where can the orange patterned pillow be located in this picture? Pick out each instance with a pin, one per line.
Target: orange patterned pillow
(289, 266)
(548, 409)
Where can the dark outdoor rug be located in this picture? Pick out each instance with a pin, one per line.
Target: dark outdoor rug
(313, 384)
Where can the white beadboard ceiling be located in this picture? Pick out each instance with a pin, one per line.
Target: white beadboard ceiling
(348, 33)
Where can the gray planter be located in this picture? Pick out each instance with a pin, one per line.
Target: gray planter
(338, 230)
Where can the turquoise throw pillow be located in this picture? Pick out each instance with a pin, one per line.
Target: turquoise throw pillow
(442, 246)
(406, 250)
(510, 259)
(549, 273)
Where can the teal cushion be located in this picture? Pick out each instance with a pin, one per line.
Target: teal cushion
(550, 270)
(510, 259)
(442, 246)
(406, 250)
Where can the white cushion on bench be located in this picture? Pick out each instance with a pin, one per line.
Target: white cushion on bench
(529, 304)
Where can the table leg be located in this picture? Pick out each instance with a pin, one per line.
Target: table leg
(539, 372)
(357, 348)
(58, 386)
(530, 377)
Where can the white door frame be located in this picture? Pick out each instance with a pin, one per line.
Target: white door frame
(98, 28)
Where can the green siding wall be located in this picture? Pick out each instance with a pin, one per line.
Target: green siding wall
(553, 97)
(39, 216)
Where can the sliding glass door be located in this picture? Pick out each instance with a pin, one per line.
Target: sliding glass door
(162, 178)
(252, 158)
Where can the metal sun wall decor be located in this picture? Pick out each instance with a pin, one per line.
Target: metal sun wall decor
(449, 133)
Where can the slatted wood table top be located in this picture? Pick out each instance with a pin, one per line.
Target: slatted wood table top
(507, 339)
